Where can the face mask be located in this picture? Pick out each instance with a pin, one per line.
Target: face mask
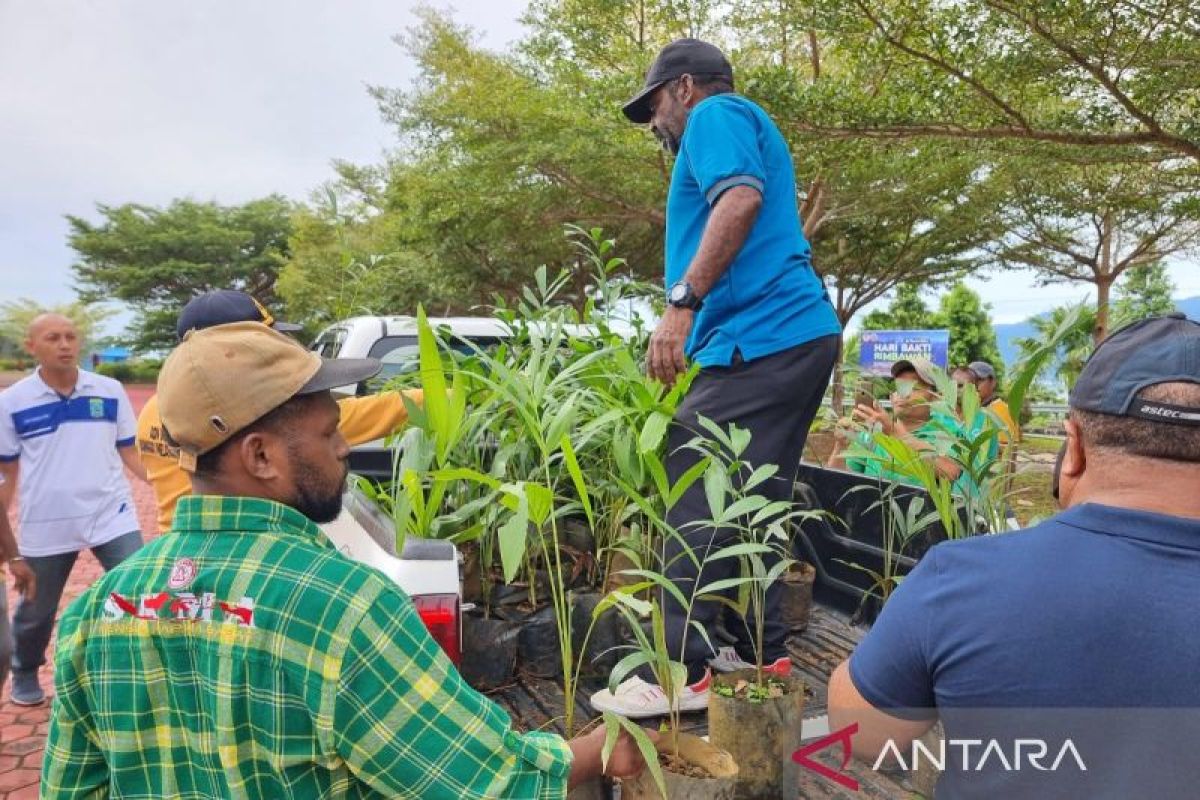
(905, 388)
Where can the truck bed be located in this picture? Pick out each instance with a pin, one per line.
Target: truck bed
(537, 704)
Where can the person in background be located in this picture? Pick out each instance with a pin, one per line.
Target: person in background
(24, 581)
(69, 435)
(986, 373)
(363, 419)
(911, 419)
(243, 656)
(1087, 610)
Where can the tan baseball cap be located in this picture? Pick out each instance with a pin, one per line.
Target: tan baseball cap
(219, 380)
(922, 366)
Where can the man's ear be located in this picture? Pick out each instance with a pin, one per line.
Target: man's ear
(262, 455)
(687, 90)
(1074, 459)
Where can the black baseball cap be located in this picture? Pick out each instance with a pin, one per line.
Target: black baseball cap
(223, 306)
(680, 57)
(1152, 351)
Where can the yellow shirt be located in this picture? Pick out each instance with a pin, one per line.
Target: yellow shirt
(364, 419)
(1000, 409)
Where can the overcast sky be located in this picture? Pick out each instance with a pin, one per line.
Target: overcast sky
(118, 101)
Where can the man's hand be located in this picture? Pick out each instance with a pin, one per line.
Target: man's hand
(870, 415)
(665, 360)
(625, 761)
(24, 581)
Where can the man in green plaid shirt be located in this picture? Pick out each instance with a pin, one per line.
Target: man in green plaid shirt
(244, 656)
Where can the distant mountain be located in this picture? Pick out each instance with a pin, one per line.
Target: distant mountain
(1007, 334)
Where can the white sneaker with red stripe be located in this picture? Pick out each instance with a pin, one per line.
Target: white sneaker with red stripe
(728, 660)
(636, 699)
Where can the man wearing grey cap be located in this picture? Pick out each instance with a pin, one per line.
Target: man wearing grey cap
(744, 303)
(1088, 610)
(993, 402)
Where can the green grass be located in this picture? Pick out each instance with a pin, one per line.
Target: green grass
(1032, 498)
(1040, 444)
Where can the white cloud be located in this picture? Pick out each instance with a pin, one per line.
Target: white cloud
(144, 101)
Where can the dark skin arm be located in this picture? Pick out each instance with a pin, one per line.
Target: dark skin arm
(726, 232)
(625, 761)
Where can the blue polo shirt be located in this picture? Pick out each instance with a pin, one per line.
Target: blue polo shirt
(1092, 610)
(73, 492)
(769, 299)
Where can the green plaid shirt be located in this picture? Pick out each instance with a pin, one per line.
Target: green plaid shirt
(244, 656)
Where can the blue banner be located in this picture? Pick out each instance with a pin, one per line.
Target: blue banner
(881, 349)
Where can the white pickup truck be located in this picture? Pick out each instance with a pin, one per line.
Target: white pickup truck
(427, 569)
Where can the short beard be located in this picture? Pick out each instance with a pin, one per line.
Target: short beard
(669, 141)
(320, 507)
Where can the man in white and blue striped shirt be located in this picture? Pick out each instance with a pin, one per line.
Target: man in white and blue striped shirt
(67, 432)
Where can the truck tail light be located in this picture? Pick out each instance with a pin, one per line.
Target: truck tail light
(442, 616)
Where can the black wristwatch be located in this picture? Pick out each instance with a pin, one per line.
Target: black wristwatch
(681, 296)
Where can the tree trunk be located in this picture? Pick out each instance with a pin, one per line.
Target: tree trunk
(1103, 290)
(1104, 279)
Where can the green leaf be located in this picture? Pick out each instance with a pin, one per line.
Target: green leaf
(742, 507)
(686, 480)
(433, 382)
(653, 432)
(645, 747)
(663, 582)
(723, 584)
(540, 501)
(577, 478)
(513, 536)
(627, 665)
(716, 485)
(742, 549)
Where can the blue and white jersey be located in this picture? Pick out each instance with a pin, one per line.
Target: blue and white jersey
(73, 492)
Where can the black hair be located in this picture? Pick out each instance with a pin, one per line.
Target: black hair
(1147, 438)
(707, 84)
(277, 420)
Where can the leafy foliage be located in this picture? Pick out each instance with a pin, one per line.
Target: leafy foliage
(157, 259)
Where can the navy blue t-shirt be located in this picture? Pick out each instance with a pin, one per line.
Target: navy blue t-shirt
(1094, 609)
(769, 299)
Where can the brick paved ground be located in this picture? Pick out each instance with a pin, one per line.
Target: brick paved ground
(23, 730)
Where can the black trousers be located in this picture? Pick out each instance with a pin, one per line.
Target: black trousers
(776, 398)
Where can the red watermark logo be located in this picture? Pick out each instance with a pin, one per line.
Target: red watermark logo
(841, 737)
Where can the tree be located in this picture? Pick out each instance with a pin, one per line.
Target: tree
(1146, 291)
(972, 337)
(500, 150)
(1093, 223)
(15, 316)
(1098, 74)
(1075, 348)
(907, 312)
(156, 259)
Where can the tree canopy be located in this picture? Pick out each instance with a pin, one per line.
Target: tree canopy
(156, 259)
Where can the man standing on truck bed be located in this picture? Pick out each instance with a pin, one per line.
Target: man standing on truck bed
(744, 303)
(1080, 628)
(243, 656)
(363, 419)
